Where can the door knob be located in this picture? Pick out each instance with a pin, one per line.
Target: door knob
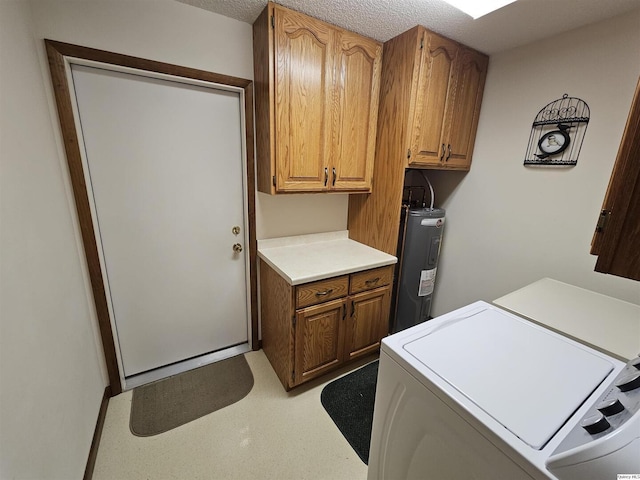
(235, 230)
(237, 247)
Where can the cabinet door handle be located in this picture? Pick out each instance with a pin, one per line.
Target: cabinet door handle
(326, 176)
(326, 292)
(442, 154)
(372, 281)
(344, 311)
(333, 183)
(448, 154)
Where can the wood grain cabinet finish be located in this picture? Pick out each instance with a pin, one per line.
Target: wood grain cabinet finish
(321, 291)
(305, 335)
(317, 92)
(447, 102)
(367, 322)
(430, 96)
(319, 339)
(377, 277)
(617, 235)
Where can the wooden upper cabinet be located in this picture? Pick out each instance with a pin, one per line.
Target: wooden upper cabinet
(430, 95)
(435, 79)
(446, 103)
(316, 104)
(303, 89)
(357, 68)
(464, 112)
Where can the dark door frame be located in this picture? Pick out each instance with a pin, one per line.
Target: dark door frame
(57, 53)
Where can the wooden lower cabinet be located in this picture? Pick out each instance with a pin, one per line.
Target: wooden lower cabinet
(367, 322)
(319, 339)
(307, 332)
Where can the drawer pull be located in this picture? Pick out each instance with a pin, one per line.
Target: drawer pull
(372, 281)
(326, 292)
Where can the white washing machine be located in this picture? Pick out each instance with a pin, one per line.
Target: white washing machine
(482, 394)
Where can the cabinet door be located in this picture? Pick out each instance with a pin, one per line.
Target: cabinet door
(435, 81)
(463, 114)
(616, 242)
(367, 323)
(319, 335)
(303, 84)
(357, 67)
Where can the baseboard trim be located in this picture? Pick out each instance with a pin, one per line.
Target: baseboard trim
(95, 443)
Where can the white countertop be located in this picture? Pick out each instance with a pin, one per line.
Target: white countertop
(307, 258)
(605, 323)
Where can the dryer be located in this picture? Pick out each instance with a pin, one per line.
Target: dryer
(483, 394)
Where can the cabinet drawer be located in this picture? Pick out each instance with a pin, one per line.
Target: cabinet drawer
(321, 291)
(378, 277)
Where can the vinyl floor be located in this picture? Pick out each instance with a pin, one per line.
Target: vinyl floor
(269, 434)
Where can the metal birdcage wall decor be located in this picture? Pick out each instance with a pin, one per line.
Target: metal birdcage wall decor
(557, 133)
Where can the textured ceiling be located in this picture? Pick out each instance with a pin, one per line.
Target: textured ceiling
(517, 24)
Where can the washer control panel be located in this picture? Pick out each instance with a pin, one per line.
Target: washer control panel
(610, 412)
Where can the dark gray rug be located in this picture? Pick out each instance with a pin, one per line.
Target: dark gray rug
(349, 402)
(174, 401)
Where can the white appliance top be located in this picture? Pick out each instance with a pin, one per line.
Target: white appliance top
(558, 305)
(529, 379)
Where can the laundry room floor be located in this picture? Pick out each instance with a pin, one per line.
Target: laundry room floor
(269, 434)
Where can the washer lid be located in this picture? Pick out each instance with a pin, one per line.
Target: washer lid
(527, 378)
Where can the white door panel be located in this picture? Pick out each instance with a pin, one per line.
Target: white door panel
(165, 161)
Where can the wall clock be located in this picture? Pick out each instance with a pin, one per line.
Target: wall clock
(557, 133)
(554, 142)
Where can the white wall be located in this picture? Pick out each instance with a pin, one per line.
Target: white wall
(540, 222)
(285, 215)
(52, 371)
(51, 367)
(510, 225)
(176, 33)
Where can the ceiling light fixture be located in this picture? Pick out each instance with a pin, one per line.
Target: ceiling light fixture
(476, 8)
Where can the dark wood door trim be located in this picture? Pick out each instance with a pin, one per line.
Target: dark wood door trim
(57, 52)
(97, 435)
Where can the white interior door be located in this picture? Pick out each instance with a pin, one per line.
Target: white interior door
(166, 167)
